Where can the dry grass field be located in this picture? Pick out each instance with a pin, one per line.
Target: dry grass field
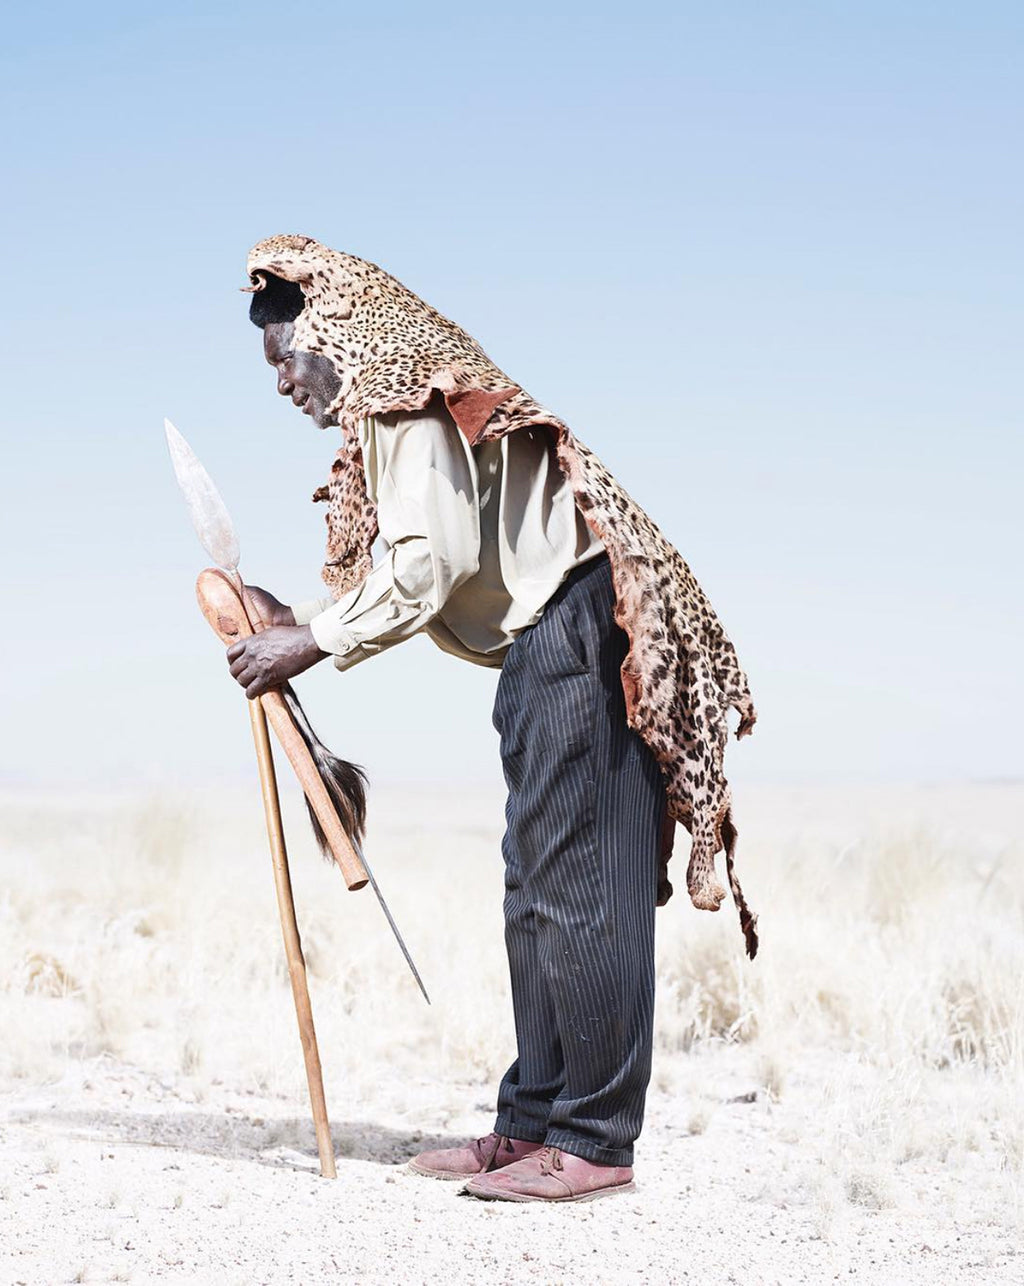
(848, 1107)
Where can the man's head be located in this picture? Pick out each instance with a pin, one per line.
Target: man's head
(308, 379)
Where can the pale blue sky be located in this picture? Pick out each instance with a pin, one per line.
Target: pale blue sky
(766, 260)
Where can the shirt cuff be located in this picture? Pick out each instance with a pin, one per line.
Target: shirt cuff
(305, 611)
(342, 644)
(328, 636)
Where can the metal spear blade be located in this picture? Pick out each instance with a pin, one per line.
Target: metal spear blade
(390, 919)
(207, 510)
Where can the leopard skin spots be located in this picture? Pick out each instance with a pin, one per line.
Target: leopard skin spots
(681, 675)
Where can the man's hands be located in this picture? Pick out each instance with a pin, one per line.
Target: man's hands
(269, 659)
(271, 610)
(276, 654)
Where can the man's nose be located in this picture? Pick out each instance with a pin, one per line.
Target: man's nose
(285, 386)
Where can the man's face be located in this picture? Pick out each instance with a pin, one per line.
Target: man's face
(308, 379)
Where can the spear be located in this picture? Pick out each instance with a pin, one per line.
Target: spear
(233, 614)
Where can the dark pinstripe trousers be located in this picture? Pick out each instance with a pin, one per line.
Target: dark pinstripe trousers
(586, 803)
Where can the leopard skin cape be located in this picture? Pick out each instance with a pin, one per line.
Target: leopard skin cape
(391, 351)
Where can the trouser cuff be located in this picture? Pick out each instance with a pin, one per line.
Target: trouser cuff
(520, 1130)
(587, 1149)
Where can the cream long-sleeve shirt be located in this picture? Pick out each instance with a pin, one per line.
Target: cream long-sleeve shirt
(476, 540)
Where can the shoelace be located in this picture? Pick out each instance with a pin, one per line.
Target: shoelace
(503, 1142)
(550, 1160)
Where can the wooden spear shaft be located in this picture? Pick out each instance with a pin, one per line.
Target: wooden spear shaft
(292, 941)
(286, 911)
(231, 612)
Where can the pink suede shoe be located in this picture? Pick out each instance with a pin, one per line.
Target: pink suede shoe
(489, 1153)
(549, 1174)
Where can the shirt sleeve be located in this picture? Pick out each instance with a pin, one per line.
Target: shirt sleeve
(305, 611)
(428, 516)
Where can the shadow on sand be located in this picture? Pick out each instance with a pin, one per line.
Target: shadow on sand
(284, 1142)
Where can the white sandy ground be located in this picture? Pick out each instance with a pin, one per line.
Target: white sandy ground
(850, 1107)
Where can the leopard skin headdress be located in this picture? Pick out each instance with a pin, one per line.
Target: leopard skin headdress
(391, 351)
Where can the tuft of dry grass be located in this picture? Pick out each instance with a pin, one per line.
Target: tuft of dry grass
(146, 931)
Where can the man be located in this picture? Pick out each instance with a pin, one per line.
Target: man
(511, 545)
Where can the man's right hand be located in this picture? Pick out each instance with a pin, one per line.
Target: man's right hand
(272, 611)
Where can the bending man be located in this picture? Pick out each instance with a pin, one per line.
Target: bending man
(511, 546)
